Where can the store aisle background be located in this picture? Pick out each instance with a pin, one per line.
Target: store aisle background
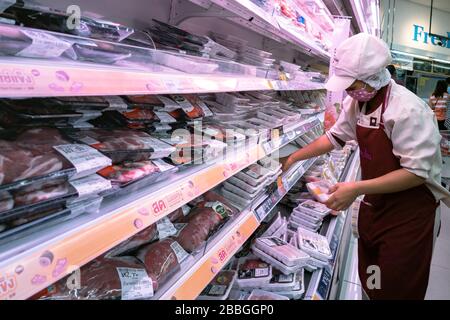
(439, 284)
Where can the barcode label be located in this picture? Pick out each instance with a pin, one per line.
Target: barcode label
(179, 251)
(135, 284)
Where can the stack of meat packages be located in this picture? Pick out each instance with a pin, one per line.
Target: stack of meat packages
(139, 267)
(41, 172)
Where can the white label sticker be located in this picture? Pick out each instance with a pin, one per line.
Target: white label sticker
(169, 105)
(85, 159)
(179, 251)
(116, 103)
(261, 272)
(165, 228)
(93, 184)
(217, 290)
(162, 165)
(43, 45)
(186, 210)
(164, 117)
(135, 283)
(161, 127)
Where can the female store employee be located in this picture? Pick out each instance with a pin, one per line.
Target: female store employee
(400, 158)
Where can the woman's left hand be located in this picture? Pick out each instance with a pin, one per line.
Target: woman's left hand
(342, 196)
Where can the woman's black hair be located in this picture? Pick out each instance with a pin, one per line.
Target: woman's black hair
(391, 69)
(441, 88)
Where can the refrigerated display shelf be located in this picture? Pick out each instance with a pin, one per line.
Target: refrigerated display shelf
(321, 280)
(21, 77)
(227, 242)
(269, 25)
(40, 259)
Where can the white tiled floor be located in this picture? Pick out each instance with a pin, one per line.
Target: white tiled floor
(439, 284)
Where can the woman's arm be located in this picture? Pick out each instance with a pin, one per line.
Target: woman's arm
(343, 194)
(320, 146)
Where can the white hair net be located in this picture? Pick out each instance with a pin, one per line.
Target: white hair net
(378, 80)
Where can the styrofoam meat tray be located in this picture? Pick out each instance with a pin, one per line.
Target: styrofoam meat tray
(314, 244)
(281, 250)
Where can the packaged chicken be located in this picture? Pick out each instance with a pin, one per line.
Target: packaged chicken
(320, 190)
(123, 145)
(253, 272)
(314, 244)
(42, 154)
(281, 250)
(104, 278)
(219, 288)
(313, 208)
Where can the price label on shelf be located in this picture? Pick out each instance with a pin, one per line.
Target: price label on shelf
(290, 135)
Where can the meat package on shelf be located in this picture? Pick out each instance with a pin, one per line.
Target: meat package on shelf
(158, 47)
(273, 262)
(139, 267)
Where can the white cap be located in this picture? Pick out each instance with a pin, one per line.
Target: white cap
(357, 58)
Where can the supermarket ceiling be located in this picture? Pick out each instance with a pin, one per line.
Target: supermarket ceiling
(437, 4)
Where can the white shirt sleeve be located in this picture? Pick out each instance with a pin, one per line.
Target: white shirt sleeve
(416, 140)
(345, 127)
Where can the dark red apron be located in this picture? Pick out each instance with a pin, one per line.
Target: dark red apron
(396, 229)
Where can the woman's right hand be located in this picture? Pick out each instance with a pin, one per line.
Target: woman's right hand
(286, 163)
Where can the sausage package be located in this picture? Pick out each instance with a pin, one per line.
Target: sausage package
(219, 288)
(118, 278)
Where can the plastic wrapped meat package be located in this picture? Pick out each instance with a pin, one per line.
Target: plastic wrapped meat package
(258, 294)
(20, 42)
(254, 175)
(202, 221)
(162, 259)
(314, 244)
(190, 108)
(313, 208)
(219, 288)
(43, 153)
(253, 272)
(31, 14)
(282, 282)
(129, 171)
(107, 278)
(123, 145)
(220, 132)
(298, 290)
(281, 251)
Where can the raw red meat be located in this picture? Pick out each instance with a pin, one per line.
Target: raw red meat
(160, 259)
(6, 202)
(139, 114)
(116, 140)
(176, 215)
(31, 155)
(99, 280)
(128, 171)
(50, 192)
(200, 223)
(144, 237)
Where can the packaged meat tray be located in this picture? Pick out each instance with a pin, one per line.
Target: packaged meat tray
(253, 272)
(297, 225)
(276, 224)
(281, 250)
(71, 103)
(162, 259)
(220, 133)
(316, 263)
(254, 175)
(31, 43)
(31, 14)
(258, 294)
(202, 222)
(137, 118)
(313, 208)
(249, 195)
(127, 172)
(145, 101)
(314, 244)
(305, 222)
(276, 263)
(44, 153)
(299, 289)
(213, 196)
(123, 145)
(281, 282)
(238, 201)
(118, 278)
(236, 294)
(40, 197)
(303, 216)
(99, 52)
(219, 288)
